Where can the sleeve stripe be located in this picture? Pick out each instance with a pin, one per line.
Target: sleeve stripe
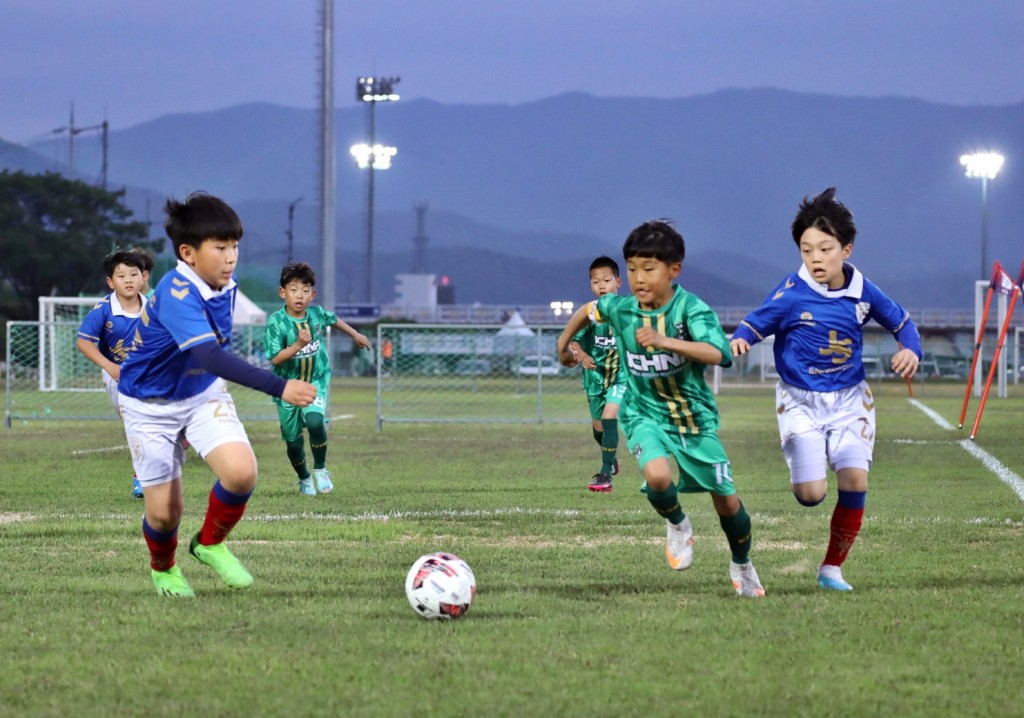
(194, 340)
(754, 331)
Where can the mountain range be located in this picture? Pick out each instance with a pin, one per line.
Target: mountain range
(522, 197)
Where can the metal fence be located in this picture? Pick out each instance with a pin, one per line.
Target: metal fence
(46, 377)
(488, 373)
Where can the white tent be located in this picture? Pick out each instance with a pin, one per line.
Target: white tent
(515, 327)
(247, 312)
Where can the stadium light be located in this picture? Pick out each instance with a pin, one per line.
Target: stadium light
(378, 154)
(560, 308)
(373, 156)
(985, 165)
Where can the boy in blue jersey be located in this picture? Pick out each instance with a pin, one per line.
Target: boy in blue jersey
(172, 385)
(596, 350)
(825, 409)
(295, 341)
(107, 331)
(667, 338)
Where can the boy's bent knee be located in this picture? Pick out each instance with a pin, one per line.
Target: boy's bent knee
(808, 502)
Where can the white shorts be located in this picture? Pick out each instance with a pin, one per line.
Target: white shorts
(154, 428)
(822, 429)
(111, 386)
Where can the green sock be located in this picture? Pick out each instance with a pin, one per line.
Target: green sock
(317, 439)
(737, 531)
(297, 455)
(666, 503)
(609, 444)
(598, 436)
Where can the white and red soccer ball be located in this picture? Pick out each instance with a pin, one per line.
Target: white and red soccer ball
(440, 586)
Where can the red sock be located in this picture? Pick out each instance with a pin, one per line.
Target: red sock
(162, 546)
(846, 523)
(223, 512)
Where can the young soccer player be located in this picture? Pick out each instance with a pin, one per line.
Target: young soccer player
(666, 338)
(147, 269)
(172, 384)
(825, 409)
(595, 349)
(108, 330)
(296, 343)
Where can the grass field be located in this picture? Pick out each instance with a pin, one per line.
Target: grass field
(577, 613)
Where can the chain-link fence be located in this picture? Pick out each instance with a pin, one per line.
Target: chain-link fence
(488, 373)
(484, 373)
(46, 377)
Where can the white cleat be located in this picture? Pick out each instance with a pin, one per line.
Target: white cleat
(679, 544)
(744, 580)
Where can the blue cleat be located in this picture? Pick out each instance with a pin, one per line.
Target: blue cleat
(307, 487)
(136, 489)
(831, 578)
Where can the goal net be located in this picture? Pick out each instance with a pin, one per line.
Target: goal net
(61, 366)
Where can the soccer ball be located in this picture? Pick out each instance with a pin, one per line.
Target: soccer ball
(440, 586)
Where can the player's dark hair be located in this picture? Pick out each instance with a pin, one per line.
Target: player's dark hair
(147, 259)
(127, 257)
(199, 218)
(604, 262)
(656, 239)
(827, 214)
(298, 272)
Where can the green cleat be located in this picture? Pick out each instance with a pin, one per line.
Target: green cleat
(217, 557)
(172, 583)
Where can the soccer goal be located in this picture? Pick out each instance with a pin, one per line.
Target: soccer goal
(61, 366)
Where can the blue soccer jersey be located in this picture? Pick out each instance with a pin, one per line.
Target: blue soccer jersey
(183, 312)
(110, 328)
(818, 332)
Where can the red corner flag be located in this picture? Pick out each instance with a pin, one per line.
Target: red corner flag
(1006, 286)
(997, 273)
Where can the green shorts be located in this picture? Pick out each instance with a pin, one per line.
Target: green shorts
(291, 417)
(613, 395)
(703, 464)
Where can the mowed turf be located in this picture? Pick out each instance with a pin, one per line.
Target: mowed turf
(577, 612)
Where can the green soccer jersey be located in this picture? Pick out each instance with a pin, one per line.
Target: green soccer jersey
(312, 363)
(598, 341)
(664, 386)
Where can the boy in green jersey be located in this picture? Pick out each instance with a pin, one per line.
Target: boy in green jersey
(666, 338)
(595, 348)
(295, 343)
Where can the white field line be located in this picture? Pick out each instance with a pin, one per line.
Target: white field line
(103, 450)
(760, 519)
(1008, 477)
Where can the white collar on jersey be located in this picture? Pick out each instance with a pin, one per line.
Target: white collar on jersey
(205, 290)
(854, 290)
(118, 311)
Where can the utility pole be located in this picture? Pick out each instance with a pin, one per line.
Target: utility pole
(291, 224)
(419, 241)
(72, 131)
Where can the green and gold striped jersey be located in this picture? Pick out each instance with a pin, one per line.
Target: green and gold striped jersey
(312, 362)
(598, 341)
(664, 386)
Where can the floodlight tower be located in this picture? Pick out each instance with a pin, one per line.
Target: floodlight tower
(985, 165)
(372, 90)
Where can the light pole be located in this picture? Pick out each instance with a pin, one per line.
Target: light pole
(372, 90)
(291, 224)
(985, 165)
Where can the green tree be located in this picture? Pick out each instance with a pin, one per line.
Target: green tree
(54, 233)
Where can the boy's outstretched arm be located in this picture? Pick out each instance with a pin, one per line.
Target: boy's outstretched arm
(359, 338)
(576, 322)
(220, 362)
